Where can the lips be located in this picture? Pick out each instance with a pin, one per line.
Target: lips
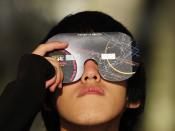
(91, 90)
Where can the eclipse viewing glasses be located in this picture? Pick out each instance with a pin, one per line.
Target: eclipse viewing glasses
(115, 53)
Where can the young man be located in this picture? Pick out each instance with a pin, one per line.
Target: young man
(90, 103)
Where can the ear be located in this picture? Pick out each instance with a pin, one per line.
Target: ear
(133, 105)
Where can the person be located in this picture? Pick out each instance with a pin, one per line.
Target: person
(38, 87)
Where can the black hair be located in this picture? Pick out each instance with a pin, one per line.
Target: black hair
(94, 21)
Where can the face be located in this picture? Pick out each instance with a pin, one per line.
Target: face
(92, 100)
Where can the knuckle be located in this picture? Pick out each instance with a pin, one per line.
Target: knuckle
(41, 46)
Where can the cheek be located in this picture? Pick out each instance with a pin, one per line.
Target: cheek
(117, 100)
(66, 104)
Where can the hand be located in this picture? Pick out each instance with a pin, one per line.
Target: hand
(41, 50)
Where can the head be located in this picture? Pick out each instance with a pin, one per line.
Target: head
(121, 102)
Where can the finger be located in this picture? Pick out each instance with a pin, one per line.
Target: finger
(53, 87)
(59, 78)
(58, 74)
(58, 82)
(53, 61)
(42, 49)
(50, 82)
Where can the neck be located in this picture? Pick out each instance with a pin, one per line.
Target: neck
(113, 125)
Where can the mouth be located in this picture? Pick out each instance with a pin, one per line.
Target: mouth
(91, 91)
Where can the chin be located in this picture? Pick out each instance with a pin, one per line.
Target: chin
(82, 112)
(89, 118)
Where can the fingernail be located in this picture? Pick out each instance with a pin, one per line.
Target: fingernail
(60, 85)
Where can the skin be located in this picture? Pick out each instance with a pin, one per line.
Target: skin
(91, 111)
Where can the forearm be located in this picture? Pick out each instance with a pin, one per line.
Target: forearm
(22, 99)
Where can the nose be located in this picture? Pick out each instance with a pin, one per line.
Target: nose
(91, 72)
